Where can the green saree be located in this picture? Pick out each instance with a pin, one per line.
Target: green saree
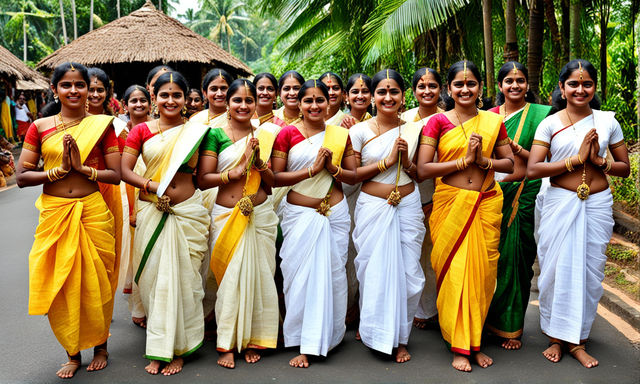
(517, 244)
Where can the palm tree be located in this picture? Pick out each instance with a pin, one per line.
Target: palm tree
(75, 20)
(574, 29)
(219, 18)
(536, 37)
(605, 11)
(37, 15)
(511, 44)
(91, 16)
(488, 47)
(64, 27)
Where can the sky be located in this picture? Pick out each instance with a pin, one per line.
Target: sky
(182, 5)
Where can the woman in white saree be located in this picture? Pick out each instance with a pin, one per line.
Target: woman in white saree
(234, 158)
(576, 219)
(315, 224)
(172, 227)
(335, 115)
(389, 221)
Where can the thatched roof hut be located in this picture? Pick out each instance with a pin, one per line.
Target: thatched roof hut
(128, 47)
(13, 68)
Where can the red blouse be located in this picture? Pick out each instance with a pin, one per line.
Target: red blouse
(108, 144)
(495, 109)
(289, 136)
(137, 137)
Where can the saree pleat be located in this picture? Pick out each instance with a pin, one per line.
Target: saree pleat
(388, 241)
(247, 302)
(465, 229)
(314, 253)
(71, 266)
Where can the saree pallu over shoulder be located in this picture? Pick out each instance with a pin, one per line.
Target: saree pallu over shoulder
(453, 143)
(71, 266)
(465, 230)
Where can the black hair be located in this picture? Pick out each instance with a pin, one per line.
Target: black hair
(423, 71)
(557, 101)
(63, 68)
(196, 90)
(175, 77)
(504, 71)
(241, 83)
(155, 71)
(313, 84)
(334, 76)
(451, 74)
(104, 78)
(356, 77)
(135, 87)
(50, 109)
(284, 76)
(268, 76)
(212, 74)
(387, 73)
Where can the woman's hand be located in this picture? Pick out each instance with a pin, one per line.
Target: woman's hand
(393, 156)
(585, 147)
(403, 147)
(329, 164)
(74, 155)
(348, 122)
(320, 161)
(66, 157)
(472, 149)
(595, 148)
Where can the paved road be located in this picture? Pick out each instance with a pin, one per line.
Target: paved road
(31, 353)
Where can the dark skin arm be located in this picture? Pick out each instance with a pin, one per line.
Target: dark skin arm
(537, 168)
(284, 178)
(620, 166)
(367, 172)
(349, 165)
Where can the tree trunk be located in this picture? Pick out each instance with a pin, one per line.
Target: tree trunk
(574, 29)
(118, 8)
(75, 20)
(442, 46)
(550, 15)
(91, 16)
(511, 45)
(566, 34)
(24, 36)
(64, 26)
(534, 51)
(605, 9)
(160, 5)
(488, 47)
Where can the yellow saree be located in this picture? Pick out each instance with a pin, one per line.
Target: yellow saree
(72, 264)
(465, 231)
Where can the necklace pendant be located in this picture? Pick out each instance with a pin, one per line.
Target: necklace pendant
(470, 181)
(583, 191)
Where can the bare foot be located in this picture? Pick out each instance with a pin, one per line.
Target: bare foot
(140, 321)
(419, 323)
(299, 361)
(251, 356)
(402, 354)
(358, 336)
(580, 354)
(226, 360)
(68, 369)
(553, 353)
(482, 360)
(461, 363)
(99, 361)
(173, 367)
(153, 367)
(511, 344)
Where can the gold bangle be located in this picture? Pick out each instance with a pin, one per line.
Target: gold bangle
(49, 176)
(458, 162)
(490, 163)
(519, 150)
(310, 170)
(568, 165)
(263, 168)
(608, 168)
(225, 177)
(338, 172)
(580, 159)
(465, 165)
(62, 172)
(486, 166)
(94, 174)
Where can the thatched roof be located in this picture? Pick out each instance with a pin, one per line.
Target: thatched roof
(39, 83)
(146, 35)
(14, 68)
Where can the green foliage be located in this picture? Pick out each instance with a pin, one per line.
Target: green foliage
(621, 254)
(627, 190)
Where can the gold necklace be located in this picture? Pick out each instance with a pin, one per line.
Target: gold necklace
(264, 118)
(64, 128)
(209, 117)
(460, 121)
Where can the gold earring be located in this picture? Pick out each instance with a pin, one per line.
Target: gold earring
(56, 99)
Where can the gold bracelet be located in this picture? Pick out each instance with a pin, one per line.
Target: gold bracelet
(608, 168)
(491, 163)
(49, 176)
(263, 168)
(382, 165)
(568, 165)
(580, 159)
(225, 177)
(310, 172)
(94, 174)
(338, 172)
(407, 170)
(464, 163)
(459, 164)
(487, 166)
(519, 150)
(62, 172)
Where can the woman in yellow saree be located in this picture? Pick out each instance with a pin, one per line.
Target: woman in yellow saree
(72, 264)
(234, 158)
(467, 204)
(172, 227)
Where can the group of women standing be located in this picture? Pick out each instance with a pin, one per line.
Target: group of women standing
(207, 197)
